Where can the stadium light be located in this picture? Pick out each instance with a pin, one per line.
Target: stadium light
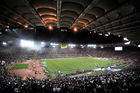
(75, 29)
(26, 26)
(125, 39)
(71, 45)
(118, 48)
(109, 33)
(4, 43)
(94, 32)
(7, 26)
(139, 45)
(102, 46)
(127, 43)
(19, 23)
(106, 35)
(100, 34)
(92, 45)
(28, 44)
(42, 44)
(54, 44)
(82, 46)
(50, 27)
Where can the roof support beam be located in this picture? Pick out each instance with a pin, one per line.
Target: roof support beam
(126, 29)
(94, 2)
(124, 25)
(17, 14)
(115, 8)
(119, 20)
(3, 23)
(59, 4)
(9, 19)
(28, 3)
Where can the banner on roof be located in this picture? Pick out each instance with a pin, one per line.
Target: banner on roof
(63, 45)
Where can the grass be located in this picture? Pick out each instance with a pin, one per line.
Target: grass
(20, 66)
(122, 66)
(69, 65)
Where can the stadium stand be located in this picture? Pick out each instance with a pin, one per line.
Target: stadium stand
(32, 31)
(116, 82)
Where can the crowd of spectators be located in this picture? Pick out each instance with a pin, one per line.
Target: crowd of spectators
(127, 81)
(112, 82)
(18, 53)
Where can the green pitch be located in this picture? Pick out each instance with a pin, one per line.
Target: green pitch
(20, 66)
(69, 65)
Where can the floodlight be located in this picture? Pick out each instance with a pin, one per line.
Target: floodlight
(7, 26)
(75, 29)
(94, 32)
(26, 26)
(71, 45)
(106, 35)
(19, 23)
(25, 43)
(94, 46)
(42, 43)
(125, 38)
(119, 48)
(50, 27)
(109, 33)
(82, 46)
(138, 45)
(54, 44)
(100, 34)
(4, 43)
(102, 46)
(127, 43)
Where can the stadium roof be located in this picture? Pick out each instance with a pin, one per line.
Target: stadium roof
(118, 17)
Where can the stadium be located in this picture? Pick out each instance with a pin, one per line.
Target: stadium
(69, 46)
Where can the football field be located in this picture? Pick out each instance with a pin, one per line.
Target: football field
(20, 66)
(69, 65)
